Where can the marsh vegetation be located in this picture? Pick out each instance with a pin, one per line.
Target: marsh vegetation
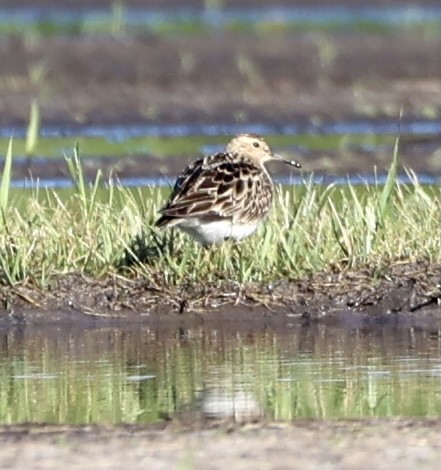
(102, 230)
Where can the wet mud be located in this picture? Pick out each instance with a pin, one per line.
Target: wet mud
(365, 444)
(413, 289)
(224, 77)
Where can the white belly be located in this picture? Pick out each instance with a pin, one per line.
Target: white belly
(217, 231)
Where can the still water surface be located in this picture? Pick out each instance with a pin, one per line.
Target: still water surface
(141, 375)
(217, 16)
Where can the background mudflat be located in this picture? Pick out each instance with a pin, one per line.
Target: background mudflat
(391, 444)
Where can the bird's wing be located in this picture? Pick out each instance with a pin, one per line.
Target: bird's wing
(217, 189)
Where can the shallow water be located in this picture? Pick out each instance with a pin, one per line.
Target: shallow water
(367, 138)
(219, 17)
(164, 182)
(122, 132)
(140, 375)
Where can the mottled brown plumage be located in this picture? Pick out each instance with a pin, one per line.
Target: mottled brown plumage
(225, 195)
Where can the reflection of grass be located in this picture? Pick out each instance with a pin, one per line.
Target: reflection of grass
(344, 375)
(93, 228)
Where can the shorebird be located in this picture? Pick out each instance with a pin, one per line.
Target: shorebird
(225, 195)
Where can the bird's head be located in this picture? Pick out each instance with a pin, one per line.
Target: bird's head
(254, 147)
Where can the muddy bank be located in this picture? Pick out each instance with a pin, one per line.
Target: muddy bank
(223, 77)
(365, 444)
(412, 288)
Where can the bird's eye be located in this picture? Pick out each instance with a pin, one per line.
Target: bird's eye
(256, 144)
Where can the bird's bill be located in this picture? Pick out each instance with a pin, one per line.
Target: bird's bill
(289, 162)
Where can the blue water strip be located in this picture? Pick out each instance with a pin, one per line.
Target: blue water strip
(160, 181)
(118, 132)
(221, 17)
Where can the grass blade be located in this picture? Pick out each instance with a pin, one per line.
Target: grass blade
(76, 173)
(33, 129)
(6, 179)
(390, 182)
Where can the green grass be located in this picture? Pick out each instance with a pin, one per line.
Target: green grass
(100, 229)
(6, 180)
(33, 129)
(115, 24)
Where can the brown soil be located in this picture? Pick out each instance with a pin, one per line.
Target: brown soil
(407, 288)
(381, 444)
(225, 78)
(222, 77)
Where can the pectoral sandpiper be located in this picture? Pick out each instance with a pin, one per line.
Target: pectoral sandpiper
(225, 195)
